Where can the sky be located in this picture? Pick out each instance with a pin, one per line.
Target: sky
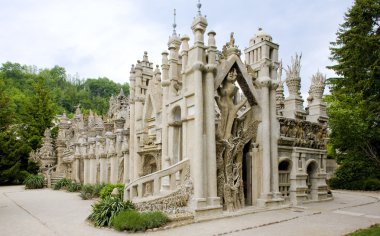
(103, 38)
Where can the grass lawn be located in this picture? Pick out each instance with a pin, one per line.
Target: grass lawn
(374, 230)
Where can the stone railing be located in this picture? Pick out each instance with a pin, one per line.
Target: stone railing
(150, 185)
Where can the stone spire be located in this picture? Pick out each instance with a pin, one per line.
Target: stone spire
(199, 27)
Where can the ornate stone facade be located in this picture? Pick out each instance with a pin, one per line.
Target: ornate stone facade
(209, 119)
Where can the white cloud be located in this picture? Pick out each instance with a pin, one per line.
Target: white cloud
(104, 37)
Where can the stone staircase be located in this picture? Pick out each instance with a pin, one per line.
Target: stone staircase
(148, 192)
(55, 179)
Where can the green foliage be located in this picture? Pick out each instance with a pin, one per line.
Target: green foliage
(106, 209)
(34, 182)
(90, 191)
(354, 103)
(134, 221)
(62, 184)
(374, 230)
(73, 187)
(107, 190)
(29, 100)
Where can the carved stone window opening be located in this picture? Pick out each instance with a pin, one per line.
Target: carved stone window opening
(311, 180)
(284, 168)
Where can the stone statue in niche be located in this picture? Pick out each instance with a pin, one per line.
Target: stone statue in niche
(232, 135)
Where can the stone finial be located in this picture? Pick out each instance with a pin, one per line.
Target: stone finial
(199, 5)
(211, 38)
(174, 23)
(293, 80)
(317, 87)
(132, 69)
(165, 60)
(121, 93)
(145, 57)
(185, 42)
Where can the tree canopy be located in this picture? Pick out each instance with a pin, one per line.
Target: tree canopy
(354, 103)
(30, 98)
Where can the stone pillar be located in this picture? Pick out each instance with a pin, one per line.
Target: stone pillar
(132, 121)
(212, 198)
(112, 157)
(86, 170)
(275, 135)
(165, 161)
(199, 160)
(138, 118)
(103, 169)
(265, 84)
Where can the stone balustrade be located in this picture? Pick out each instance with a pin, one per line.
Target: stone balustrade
(150, 185)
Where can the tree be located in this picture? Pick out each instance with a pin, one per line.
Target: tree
(354, 103)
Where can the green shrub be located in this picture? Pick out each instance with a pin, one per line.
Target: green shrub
(73, 187)
(106, 209)
(134, 221)
(87, 191)
(372, 184)
(90, 191)
(369, 184)
(62, 183)
(107, 190)
(34, 181)
(154, 219)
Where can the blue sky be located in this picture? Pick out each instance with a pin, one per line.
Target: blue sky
(104, 37)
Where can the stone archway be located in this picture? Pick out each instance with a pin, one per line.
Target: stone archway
(311, 180)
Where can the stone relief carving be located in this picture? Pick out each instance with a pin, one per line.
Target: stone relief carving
(231, 136)
(301, 133)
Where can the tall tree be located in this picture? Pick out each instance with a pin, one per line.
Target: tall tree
(354, 103)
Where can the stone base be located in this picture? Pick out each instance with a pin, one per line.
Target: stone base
(207, 212)
(268, 201)
(213, 201)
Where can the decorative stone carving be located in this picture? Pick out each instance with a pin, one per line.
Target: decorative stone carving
(300, 133)
(317, 87)
(230, 141)
(293, 79)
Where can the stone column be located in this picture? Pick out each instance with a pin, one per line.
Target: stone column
(138, 119)
(165, 161)
(198, 162)
(275, 134)
(132, 121)
(265, 84)
(212, 198)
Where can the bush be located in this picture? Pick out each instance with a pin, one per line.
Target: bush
(90, 191)
(73, 187)
(369, 184)
(372, 184)
(62, 183)
(107, 190)
(134, 221)
(34, 182)
(106, 209)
